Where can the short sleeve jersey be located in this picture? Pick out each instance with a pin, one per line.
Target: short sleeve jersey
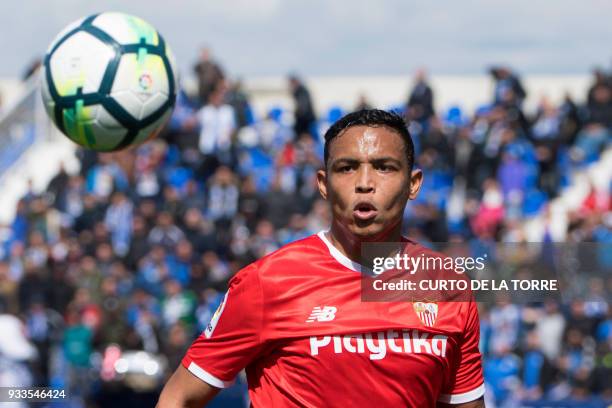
(296, 322)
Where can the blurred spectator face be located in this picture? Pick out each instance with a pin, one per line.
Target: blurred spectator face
(75, 181)
(205, 54)
(217, 97)
(88, 264)
(17, 250)
(89, 201)
(104, 252)
(118, 270)
(109, 286)
(351, 179)
(577, 309)
(117, 198)
(147, 209)
(224, 176)
(139, 225)
(574, 338)
(178, 335)
(37, 239)
(193, 218)
(4, 271)
(82, 297)
(294, 83)
(297, 222)
(191, 188)
(551, 307)
(265, 228)
(164, 219)
(172, 287)
(140, 296)
(158, 254)
(210, 259)
(100, 232)
(184, 250)
(248, 186)
(420, 75)
(601, 94)
(38, 206)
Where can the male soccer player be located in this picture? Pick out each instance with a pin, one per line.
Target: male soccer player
(295, 318)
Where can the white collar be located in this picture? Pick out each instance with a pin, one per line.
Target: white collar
(339, 256)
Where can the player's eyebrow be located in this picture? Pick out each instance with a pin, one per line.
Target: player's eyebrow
(344, 160)
(374, 160)
(386, 159)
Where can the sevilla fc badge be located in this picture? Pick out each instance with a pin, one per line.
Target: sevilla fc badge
(427, 312)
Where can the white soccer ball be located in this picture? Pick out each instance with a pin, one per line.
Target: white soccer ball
(109, 81)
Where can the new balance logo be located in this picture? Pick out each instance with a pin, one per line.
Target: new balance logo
(322, 314)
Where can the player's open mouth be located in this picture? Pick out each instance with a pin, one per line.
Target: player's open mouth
(364, 211)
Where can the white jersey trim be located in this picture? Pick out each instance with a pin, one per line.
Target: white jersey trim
(339, 256)
(464, 397)
(207, 377)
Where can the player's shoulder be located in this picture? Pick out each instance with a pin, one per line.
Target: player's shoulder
(286, 260)
(415, 248)
(294, 254)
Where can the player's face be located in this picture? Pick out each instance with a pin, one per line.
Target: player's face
(368, 182)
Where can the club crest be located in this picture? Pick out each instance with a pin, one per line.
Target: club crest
(427, 312)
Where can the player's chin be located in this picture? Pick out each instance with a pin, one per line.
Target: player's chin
(367, 229)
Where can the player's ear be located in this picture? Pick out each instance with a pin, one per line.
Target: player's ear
(416, 180)
(322, 182)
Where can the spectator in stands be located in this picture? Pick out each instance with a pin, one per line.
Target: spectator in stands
(546, 134)
(420, 105)
(599, 105)
(16, 351)
(222, 196)
(153, 270)
(209, 74)
(59, 182)
(165, 232)
(217, 270)
(177, 305)
(105, 177)
(218, 126)
(304, 110)
(508, 88)
(118, 220)
(237, 98)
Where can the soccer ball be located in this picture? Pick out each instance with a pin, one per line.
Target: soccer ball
(109, 81)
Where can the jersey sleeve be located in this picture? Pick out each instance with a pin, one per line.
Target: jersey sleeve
(233, 338)
(466, 382)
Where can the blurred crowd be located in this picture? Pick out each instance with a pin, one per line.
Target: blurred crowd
(136, 249)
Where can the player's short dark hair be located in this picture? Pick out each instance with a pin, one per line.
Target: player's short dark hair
(372, 118)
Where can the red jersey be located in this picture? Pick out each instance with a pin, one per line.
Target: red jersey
(295, 320)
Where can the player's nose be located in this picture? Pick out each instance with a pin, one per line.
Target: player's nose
(365, 182)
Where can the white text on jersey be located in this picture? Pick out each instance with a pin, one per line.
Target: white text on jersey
(378, 343)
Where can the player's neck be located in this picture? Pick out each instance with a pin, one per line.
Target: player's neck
(350, 244)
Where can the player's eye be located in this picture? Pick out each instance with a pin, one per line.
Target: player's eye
(385, 168)
(345, 169)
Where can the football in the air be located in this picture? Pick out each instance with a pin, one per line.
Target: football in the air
(109, 81)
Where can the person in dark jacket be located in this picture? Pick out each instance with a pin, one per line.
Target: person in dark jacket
(304, 110)
(420, 102)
